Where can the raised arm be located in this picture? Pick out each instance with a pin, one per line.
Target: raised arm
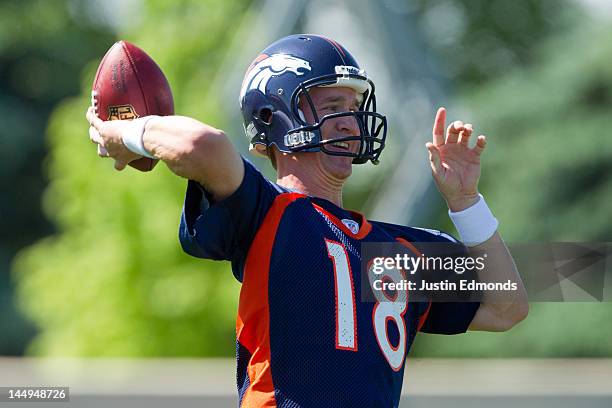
(456, 170)
(191, 149)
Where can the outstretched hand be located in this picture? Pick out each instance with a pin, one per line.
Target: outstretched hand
(454, 165)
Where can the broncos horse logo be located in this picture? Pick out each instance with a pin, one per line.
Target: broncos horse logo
(265, 67)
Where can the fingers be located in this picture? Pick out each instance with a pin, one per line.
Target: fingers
(456, 131)
(452, 133)
(102, 152)
(464, 135)
(94, 136)
(92, 118)
(434, 159)
(438, 127)
(120, 164)
(481, 143)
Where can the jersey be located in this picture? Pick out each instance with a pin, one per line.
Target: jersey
(304, 336)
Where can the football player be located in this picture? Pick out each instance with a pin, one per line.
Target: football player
(305, 338)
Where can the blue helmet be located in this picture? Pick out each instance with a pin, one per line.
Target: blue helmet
(285, 72)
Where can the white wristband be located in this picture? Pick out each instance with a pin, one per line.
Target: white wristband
(132, 136)
(475, 224)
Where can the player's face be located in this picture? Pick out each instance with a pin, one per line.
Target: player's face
(326, 102)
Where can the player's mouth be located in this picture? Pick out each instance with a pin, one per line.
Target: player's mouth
(341, 145)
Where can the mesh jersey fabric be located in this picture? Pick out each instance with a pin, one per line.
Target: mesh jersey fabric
(287, 352)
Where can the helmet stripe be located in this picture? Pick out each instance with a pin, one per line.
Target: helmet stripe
(336, 47)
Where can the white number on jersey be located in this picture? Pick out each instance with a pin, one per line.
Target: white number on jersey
(387, 308)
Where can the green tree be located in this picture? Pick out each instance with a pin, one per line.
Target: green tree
(115, 280)
(42, 50)
(480, 40)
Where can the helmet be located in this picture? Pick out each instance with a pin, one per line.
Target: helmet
(285, 72)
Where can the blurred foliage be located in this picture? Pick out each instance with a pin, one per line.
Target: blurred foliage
(42, 50)
(479, 40)
(38, 67)
(115, 281)
(546, 175)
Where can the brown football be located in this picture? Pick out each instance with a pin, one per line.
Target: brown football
(128, 85)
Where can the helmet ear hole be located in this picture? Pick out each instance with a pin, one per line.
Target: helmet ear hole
(265, 115)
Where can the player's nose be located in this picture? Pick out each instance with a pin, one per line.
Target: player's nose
(347, 125)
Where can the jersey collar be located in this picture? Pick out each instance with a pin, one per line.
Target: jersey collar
(365, 226)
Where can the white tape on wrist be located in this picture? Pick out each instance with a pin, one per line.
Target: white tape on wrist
(475, 224)
(132, 136)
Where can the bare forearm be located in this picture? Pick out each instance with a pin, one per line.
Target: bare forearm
(170, 137)
(190, 148)
(456, 171)
(499, 310)
(196, 151)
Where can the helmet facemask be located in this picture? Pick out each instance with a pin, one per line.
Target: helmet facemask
(372, 125)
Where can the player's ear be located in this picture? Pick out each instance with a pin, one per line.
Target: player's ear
(271, 153)
(268, 152)
(261, 149)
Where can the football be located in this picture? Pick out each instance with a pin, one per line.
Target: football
(128, 85)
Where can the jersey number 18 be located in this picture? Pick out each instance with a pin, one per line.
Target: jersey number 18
(387, 308)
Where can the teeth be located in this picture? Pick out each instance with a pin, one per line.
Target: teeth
(342, 145)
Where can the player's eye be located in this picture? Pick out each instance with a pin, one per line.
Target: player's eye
(330, 108)
(327, 109)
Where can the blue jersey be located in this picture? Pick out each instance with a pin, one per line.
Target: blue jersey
(305, 338)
